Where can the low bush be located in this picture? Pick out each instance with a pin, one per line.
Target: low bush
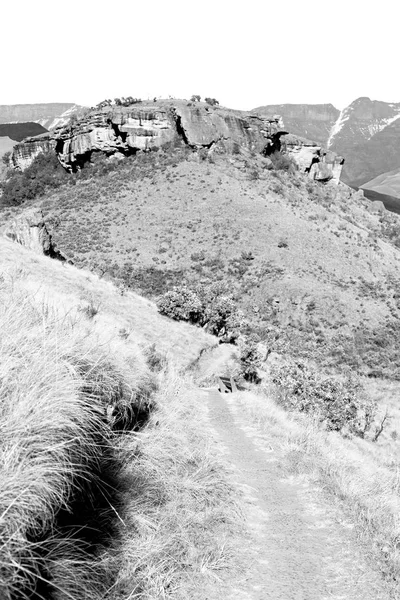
(342, 405)
(283, 162)
(209, 306)
(249, 359)
(58, 449)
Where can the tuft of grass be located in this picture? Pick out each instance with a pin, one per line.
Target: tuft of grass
(57, 449)
(97, 500)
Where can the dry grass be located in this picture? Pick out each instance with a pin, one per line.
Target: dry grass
(87, 510)
(352, 471)
(69, 290)
(178, 523)
(55, 386)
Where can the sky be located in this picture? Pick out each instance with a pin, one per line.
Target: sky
(244, 54)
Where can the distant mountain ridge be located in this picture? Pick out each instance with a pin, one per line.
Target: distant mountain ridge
(312, 121)
(19, 131)
(49, 115)
(366, 133)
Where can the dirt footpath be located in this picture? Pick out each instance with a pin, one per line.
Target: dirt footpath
(297, 546)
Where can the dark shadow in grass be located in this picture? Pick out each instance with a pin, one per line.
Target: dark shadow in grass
(90, 524)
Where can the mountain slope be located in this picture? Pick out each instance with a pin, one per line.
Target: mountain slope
(368, 134)
(311, 121)
(311, 267)
(48, 115)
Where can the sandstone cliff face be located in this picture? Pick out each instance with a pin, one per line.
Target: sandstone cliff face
(25, 152)
(145, 127)
(30, 230)
(148, 126)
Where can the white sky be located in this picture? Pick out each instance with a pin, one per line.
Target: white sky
(245, 55)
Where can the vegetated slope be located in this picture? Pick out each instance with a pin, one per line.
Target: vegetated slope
(314, 270)
(86, 512)
(19, 131)
(117, 311)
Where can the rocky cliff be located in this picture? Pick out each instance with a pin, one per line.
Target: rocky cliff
(25, 152)
(150, 126)
(47, 115)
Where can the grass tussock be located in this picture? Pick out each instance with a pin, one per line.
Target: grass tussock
(61, 392)
(351, 470)
(179, 516)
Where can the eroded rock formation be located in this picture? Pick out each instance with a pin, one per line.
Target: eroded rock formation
(311, 158)
(25, 152)
(153, 125)
(30, 230)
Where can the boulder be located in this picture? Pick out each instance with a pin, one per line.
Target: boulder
(30, 231)
(377, 206)
(312, 158)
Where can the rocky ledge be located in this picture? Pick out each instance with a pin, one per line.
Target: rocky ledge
(152, 125)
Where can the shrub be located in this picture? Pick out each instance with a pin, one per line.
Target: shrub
(208, 306)
(340, 405)
(249, 359)
(181, 304)
(211, 101)
(283, 162)
(6, 158)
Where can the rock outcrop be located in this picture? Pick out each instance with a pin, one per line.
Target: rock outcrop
(144, 127)
(24, 153)
(311, 158)
(148, 126)
(30, 230)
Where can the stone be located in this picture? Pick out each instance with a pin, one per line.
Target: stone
(377, 206)
(30, 231)
(312, 158)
